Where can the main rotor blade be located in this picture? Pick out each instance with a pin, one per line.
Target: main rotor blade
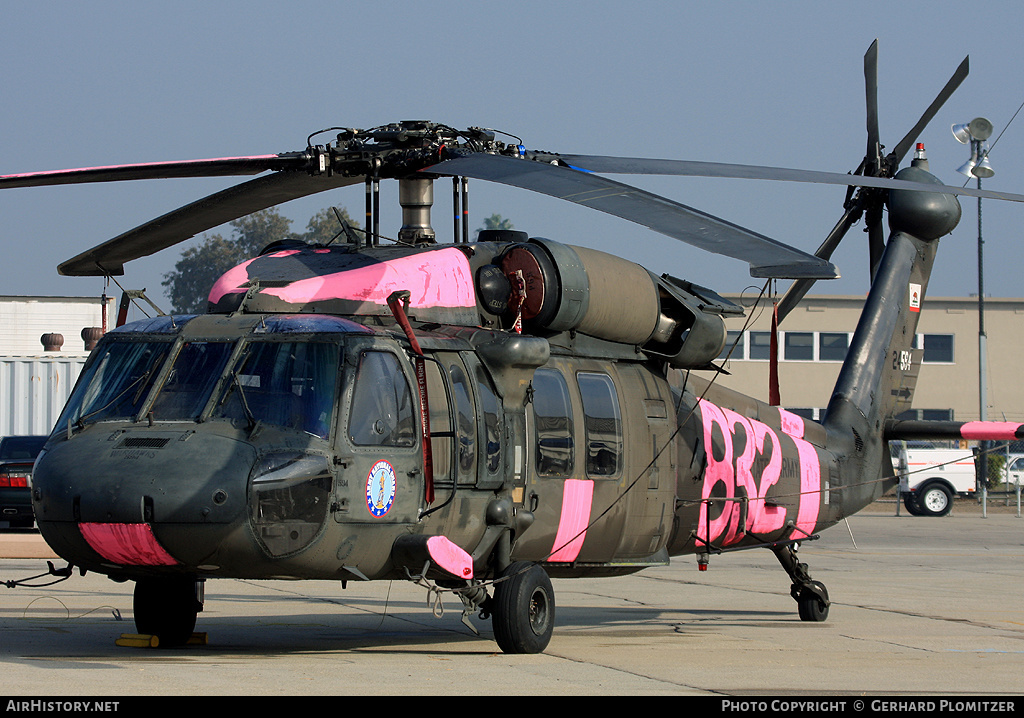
(901, 150)
(767, 258)
(690, 168)
(219, 167)
(184, 223)
(800, 287)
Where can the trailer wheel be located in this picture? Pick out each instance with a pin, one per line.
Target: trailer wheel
(935, 500)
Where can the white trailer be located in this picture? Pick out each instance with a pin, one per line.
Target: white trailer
(931, 478)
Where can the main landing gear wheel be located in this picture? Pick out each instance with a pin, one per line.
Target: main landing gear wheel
(167, 608)
(523, 610)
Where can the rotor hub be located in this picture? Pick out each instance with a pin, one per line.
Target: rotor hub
(926, 215)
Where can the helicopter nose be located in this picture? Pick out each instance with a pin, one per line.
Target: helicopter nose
(135, 496)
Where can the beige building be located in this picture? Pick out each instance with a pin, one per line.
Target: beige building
(814, 337)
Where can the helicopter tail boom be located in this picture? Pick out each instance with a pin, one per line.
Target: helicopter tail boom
(879, 375)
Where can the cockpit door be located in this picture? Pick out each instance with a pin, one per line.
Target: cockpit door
(382, 478)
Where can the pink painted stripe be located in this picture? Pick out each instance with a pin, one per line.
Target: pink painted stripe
(810, 473)
(577, 497)
(434, 279)
(450, 557)
(792, 424)
(236, 279)
(990, 430)
(126, 544)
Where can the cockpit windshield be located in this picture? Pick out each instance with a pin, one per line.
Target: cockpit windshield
(190, 381)
(115, 382)
(289, 384)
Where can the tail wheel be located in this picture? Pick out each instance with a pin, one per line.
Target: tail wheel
(813, 603)
(166, 608)
(935, 500)
(523, 609)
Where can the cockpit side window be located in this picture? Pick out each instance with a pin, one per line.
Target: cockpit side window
(383, 408)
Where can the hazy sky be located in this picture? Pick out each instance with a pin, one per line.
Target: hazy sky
(779, 83)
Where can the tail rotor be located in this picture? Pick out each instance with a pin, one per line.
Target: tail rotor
(868, 202)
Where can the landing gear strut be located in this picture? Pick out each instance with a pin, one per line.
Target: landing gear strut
(811, 596)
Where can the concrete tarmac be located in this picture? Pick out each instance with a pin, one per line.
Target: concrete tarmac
(920, 607)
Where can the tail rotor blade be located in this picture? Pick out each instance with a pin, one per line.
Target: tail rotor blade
(901, 150)
(876, 237)
(873, 155)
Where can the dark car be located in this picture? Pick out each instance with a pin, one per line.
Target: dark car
(17, 455)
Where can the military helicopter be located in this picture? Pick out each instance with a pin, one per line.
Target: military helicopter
(478, 415)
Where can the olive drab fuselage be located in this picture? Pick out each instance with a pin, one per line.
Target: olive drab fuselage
(605, 464)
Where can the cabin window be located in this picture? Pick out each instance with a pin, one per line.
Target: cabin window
(289, 384)
(602, 424)
(440, 422)
(115, 382)
(466, 422)
(190, 382)
(383, 406)
(552, 419)
(491, 430)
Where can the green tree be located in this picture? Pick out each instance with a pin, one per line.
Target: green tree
(495, 221)
(324, 227)
(188, 285)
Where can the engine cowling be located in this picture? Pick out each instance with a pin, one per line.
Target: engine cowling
(558, 287)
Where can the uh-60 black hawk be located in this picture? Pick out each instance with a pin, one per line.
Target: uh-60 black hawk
(479, 415)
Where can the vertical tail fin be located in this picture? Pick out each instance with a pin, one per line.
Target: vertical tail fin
(880, 372)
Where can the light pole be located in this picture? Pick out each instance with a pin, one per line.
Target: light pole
(976, 133)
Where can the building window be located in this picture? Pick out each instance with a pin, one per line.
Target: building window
(938, 348)
(735, 346)
(799, 346)
(760, 345)
(925, 415)
(832, 346)
(796, 346)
